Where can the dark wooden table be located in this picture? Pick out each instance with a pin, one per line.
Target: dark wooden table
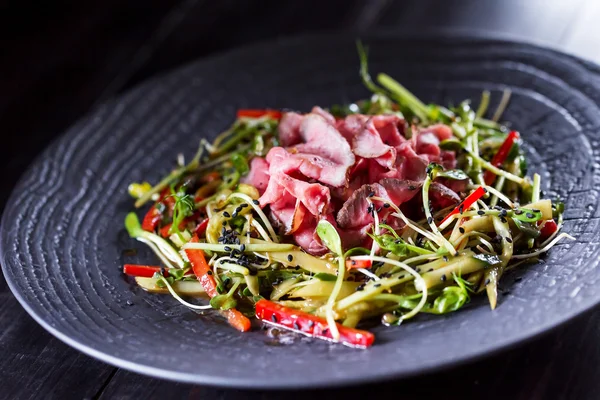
(59, 61)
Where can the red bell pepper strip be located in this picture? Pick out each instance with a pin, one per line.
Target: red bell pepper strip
(309, 324)
(355, 264)
(204, 275)
(201, 228)
(548, 229)
(501, 156)
(275, 114)
(153, 216)
(144, 271)
(164, 231)
(466, 203)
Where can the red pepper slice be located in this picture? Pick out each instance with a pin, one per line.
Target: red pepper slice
(153, 216)
(250, 113)
(201, 228)
(204, 275)
(309, 324)
(548, 229)
(355, 264)
(501, 156)
(466, 203)
(164, 231)
(145, 271)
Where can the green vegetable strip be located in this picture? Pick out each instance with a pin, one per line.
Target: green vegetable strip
(492, 276)
(483, 105)
(403, 96)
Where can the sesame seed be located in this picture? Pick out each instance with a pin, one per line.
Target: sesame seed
(235, 214)
(461, 208)
(209, 272)
(445, 258)
(411, 187)
(371, 194)
(518, 212)
(429, 220)
(325, 331)
(226, 214)
(238, 209)
(481, 212)
(430, 269)
(255, 202)
(529, 215)
(443, 278)
(461, 229)
(273, 317)
(485, 190)
(487, 282)
(386, 205)
(503, 220)
(227, 248)
(377, 285)
(509, 240)
(290, 258)
(297, 267)
(401, 276)
(353, 262)
(243, 248)
(224, 223)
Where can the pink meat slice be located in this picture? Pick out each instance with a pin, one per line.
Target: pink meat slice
(258, 176)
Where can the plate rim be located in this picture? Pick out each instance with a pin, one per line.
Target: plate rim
(519, 339)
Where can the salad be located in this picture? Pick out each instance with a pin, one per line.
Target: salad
(317, 222)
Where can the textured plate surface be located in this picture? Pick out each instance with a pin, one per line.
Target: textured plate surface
(62, 239)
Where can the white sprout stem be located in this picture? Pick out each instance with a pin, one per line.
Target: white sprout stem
(156, 251)
(261, 230)
(497, 171)
(483, 205)
(258, 247)
(374, 244)
(162, 246)
(258, 210)
(499, 186)
(545, 248)
(230, 266)
(335, 333)
(179, 299)
(502, 106)
(501, 196)
(423, 257)
(442, 241)
(535, 195)
(419, 281)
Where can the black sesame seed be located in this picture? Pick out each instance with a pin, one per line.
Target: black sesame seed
(509, 240)
(226, 214)
(529, 215)
(360, 288)
(487, 282)
(290, 257)
(227, 248)
(411, 187)
(273, 317)
(325, 331)
(234, 215)
(371, 194)
(238, 209)
(386, 205)
(243, 248)
(481, 212)
(461, 208)
(429, 220)
(224, 223)
(503, 220)
(535, 210)
(377, 285)
(255, 202)
(353, 262)
(401, 276)
(244, 205)
(443, 278)
(297, 267)
(209, 272)
(518, 212)
(445, 258)
(430, 269)
(461, 229)
(485, 190)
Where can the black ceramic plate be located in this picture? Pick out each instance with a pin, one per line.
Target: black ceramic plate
(62, 237)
